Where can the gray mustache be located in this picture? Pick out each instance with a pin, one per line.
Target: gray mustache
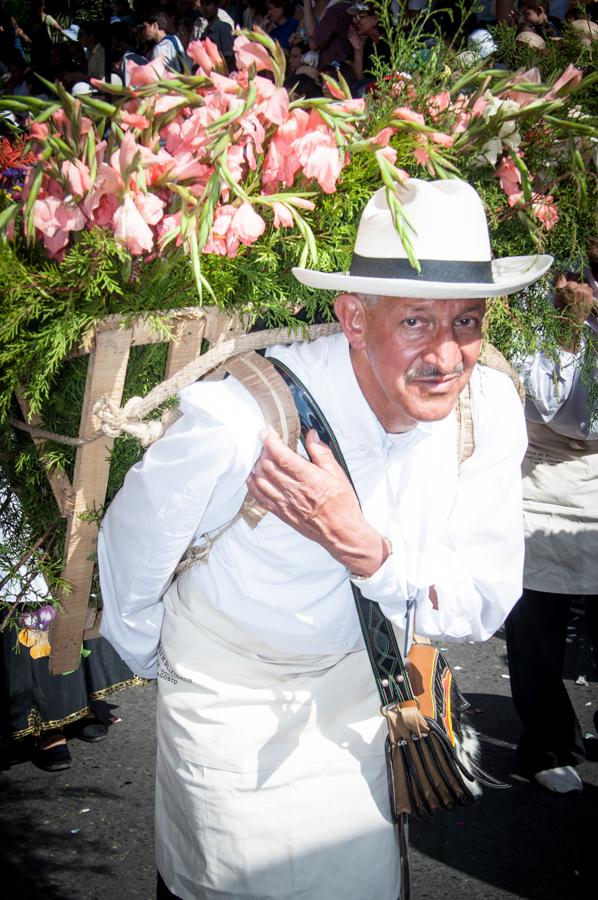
(431, 372)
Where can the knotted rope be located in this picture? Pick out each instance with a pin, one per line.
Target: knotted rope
(129, 419)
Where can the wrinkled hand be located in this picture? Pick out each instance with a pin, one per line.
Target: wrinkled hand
(575, 299)
(317, 500)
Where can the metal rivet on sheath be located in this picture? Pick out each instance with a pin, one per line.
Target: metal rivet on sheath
(384, 682)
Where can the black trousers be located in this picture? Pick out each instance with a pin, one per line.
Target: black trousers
(162, 892)
(536, 633)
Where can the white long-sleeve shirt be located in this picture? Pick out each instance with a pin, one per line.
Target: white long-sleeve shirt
(456, 527)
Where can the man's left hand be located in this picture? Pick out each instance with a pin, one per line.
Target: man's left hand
(317, 500)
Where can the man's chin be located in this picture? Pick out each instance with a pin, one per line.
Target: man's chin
(429, 406)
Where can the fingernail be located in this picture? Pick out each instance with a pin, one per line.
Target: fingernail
(315, 436)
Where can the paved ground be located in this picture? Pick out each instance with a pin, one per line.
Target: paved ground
(86, 833)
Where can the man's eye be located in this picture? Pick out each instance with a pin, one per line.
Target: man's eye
(411, 322)
(468, 322)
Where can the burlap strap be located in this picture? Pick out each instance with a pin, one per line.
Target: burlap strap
(494, 359)
(268, 389)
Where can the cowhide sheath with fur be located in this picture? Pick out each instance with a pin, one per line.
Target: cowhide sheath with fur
(432, 751)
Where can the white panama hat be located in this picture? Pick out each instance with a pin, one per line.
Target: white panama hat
(449, 234)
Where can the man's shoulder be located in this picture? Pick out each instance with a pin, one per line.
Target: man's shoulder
(497, 409)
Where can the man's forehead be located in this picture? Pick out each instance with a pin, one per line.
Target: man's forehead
(419, 304)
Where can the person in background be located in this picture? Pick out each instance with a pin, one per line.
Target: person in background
(39, 711)
(534, 15)
(162, 44)
(279, 22)
(90, 38)
(329, 36)
(210, 24)
(367, 41)
(560, 490)
(253, 14)
(301, 76)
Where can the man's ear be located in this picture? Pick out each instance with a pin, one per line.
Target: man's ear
(352, 315)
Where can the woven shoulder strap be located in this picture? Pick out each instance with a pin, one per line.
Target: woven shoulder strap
(269, 390)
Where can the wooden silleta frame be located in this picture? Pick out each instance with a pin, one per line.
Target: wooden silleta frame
(193, 329)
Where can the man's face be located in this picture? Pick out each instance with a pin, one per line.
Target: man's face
(412, 358)
(209, 11)
(150, 30)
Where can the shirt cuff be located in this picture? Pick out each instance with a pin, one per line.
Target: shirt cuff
(387, 585)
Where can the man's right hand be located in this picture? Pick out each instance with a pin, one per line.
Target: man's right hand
(575, 299)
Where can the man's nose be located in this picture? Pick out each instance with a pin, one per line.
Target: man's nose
(444, 352)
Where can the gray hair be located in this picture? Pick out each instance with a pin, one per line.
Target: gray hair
(369, 300)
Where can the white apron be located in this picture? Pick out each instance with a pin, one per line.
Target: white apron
(560, 500)
(271, 777)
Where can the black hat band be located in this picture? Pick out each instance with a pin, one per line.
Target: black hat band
(439, 270)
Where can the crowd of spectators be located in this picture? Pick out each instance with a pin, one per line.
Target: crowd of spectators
(319, 37)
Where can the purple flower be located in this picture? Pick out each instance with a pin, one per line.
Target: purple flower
(38, 619)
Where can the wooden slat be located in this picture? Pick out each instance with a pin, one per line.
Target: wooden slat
(186, 344)
(105, 376)
(59, 481)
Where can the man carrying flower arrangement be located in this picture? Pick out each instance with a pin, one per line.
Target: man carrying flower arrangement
(271, 772)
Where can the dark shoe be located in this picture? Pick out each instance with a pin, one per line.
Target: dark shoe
(91, 730)
(52, 759)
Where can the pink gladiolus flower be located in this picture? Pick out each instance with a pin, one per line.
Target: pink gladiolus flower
(133, 120)
(39, 131)
(421, 152)
(281, 162)
(51, 215)
(167, 102)
(103, 213)
(248, 53)
(235, 161)
(146, 74)
(76, 174)
(224, 84)
(438, 103)
(282, 215)
(150, 206)
(530, 76)
(408, 115)
(545, 210)
(276, 109)
(510, 180)
(212, 51)
(389, 154)
(131, 229)
(303, 203)
(200, 55)
(462, 122)
(319, 158)
(352, 105)
(571, 76)
(223, 240)
(443, 140)
(325, 165)
(247, 225)
(479, 106)
(264, 88)
(383, 137)
(126, 154)
(56, 219)
(335, 91)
